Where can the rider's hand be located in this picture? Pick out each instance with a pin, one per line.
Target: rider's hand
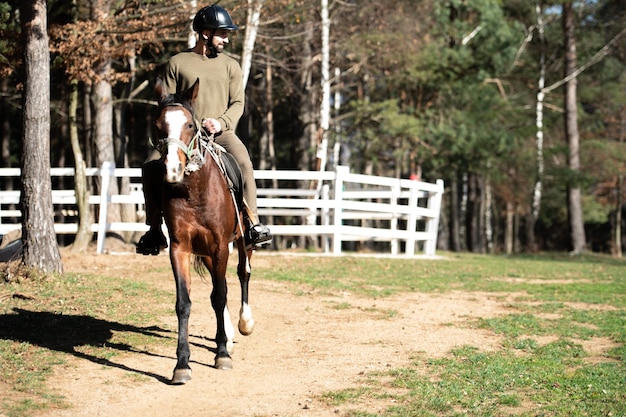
(212, 125)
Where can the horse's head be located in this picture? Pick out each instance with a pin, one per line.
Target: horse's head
(177, 129)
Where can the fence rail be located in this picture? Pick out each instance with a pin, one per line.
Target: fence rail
(335, 206)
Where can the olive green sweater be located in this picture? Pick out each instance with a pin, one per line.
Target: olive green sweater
(221, 95)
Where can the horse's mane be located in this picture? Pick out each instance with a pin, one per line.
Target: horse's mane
(176, 100)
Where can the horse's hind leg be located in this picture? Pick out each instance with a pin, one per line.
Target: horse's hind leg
(246, 322)
(180, 266)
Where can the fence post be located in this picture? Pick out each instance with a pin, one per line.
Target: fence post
(106, 172)
(432, 225)
(411, 223)
(340, 172)
(395, 192)
(325, 217)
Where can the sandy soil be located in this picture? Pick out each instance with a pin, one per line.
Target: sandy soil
(303, 346)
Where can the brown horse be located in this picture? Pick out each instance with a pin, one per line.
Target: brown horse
(202, 217)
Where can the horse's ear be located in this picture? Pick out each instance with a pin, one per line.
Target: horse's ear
(159, 89)
(191, 94)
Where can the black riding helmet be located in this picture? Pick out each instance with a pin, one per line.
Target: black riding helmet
(211, 18)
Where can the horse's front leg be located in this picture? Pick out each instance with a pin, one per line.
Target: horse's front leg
(220, 307)
(180, 267)
(246, 322)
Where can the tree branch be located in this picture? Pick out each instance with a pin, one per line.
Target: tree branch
(604, 51)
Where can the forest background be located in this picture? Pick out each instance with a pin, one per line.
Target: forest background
(473, 92)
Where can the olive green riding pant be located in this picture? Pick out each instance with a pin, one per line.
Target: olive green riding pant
(234, 146)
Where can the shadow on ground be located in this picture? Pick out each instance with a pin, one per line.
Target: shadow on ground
(65, 333)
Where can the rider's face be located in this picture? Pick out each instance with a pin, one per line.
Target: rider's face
(220, 39)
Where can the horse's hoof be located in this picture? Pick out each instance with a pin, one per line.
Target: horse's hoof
(223, 362)
(246, 326)
(246, 322)
(181, 376)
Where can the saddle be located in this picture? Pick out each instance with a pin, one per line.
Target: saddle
(233, 175)
(229, 167)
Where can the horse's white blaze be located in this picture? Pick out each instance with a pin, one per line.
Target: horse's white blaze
(229, 330)
(175, 121)
(246, 322)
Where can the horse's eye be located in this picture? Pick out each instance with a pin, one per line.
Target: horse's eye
(190, 126)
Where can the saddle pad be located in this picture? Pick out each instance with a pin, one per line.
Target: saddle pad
(233, 172)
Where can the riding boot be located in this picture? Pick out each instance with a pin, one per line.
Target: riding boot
(153, 241)
(258, 235)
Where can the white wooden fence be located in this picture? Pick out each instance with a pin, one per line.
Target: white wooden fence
(334, 207)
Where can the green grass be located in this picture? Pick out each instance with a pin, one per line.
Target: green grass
(557, 304)
(589, 278)
(559, 299)
(579, 324)
(552, 381)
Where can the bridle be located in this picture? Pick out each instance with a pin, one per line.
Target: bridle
(195, 151)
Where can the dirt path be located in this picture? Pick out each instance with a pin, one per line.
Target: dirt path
(302, 346)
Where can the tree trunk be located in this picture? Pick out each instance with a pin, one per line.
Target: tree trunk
(308, 98)
(509, 230)
(128, 212)
(475, 214)
(536, 202)
(266, 154)
(102, 98)
(84, 233)
(88, 126)
(322, 152)
(41, 250)
(5, 128)
(252, 26)
(455, 219)
(480, 217)
(337, 108)
(488, 202)
(443, 235)
(529, 227)
(102, 102)
(191, 35)
(617, 247)
(571, 132)
(5, 137)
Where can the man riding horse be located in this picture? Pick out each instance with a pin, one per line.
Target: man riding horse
(219, 105)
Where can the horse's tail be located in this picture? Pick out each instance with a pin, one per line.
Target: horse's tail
(200, 268)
